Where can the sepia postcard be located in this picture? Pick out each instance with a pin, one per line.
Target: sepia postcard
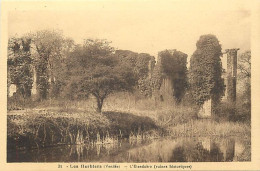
(130, 85)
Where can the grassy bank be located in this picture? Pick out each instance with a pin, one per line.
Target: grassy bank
(42, 128)
(56, 122)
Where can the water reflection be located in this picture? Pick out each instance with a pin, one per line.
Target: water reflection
(189, 150)
(161, 150)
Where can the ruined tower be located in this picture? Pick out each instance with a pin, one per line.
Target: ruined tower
(164, 93)
(231, 74)
(151, 65)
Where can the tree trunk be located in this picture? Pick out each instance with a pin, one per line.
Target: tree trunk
(99, 104)
(129, 101)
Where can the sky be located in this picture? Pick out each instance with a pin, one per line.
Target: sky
(141, 26)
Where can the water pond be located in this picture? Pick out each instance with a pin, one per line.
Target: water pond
(198, 149)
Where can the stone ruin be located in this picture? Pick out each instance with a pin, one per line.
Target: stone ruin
(24, 45)
(11, 89)
(166, 90)
(206, 109)
(165, 93)
(230, 79)
(231, 74)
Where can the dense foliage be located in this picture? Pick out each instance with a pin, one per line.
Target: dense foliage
(174, 64)
(51, 49)
(142, 65)
(205, 70)
(244, 77)
(93, 69)
(20, 65)
(244, 65)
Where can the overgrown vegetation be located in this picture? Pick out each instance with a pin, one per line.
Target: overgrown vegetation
(206, 70)
(43, 128)
(20, 66)
(92, 93)
(174, 65)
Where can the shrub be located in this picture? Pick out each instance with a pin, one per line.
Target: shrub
(238, 112)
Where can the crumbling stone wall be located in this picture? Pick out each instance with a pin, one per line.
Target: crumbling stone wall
(151, 66)
(206, 109)
(231, 74)
(168, 76)
(166, 90)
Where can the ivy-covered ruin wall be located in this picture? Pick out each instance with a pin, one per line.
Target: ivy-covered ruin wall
(169, 77)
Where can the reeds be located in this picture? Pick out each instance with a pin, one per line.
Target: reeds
(43, 128)
(206, 127)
